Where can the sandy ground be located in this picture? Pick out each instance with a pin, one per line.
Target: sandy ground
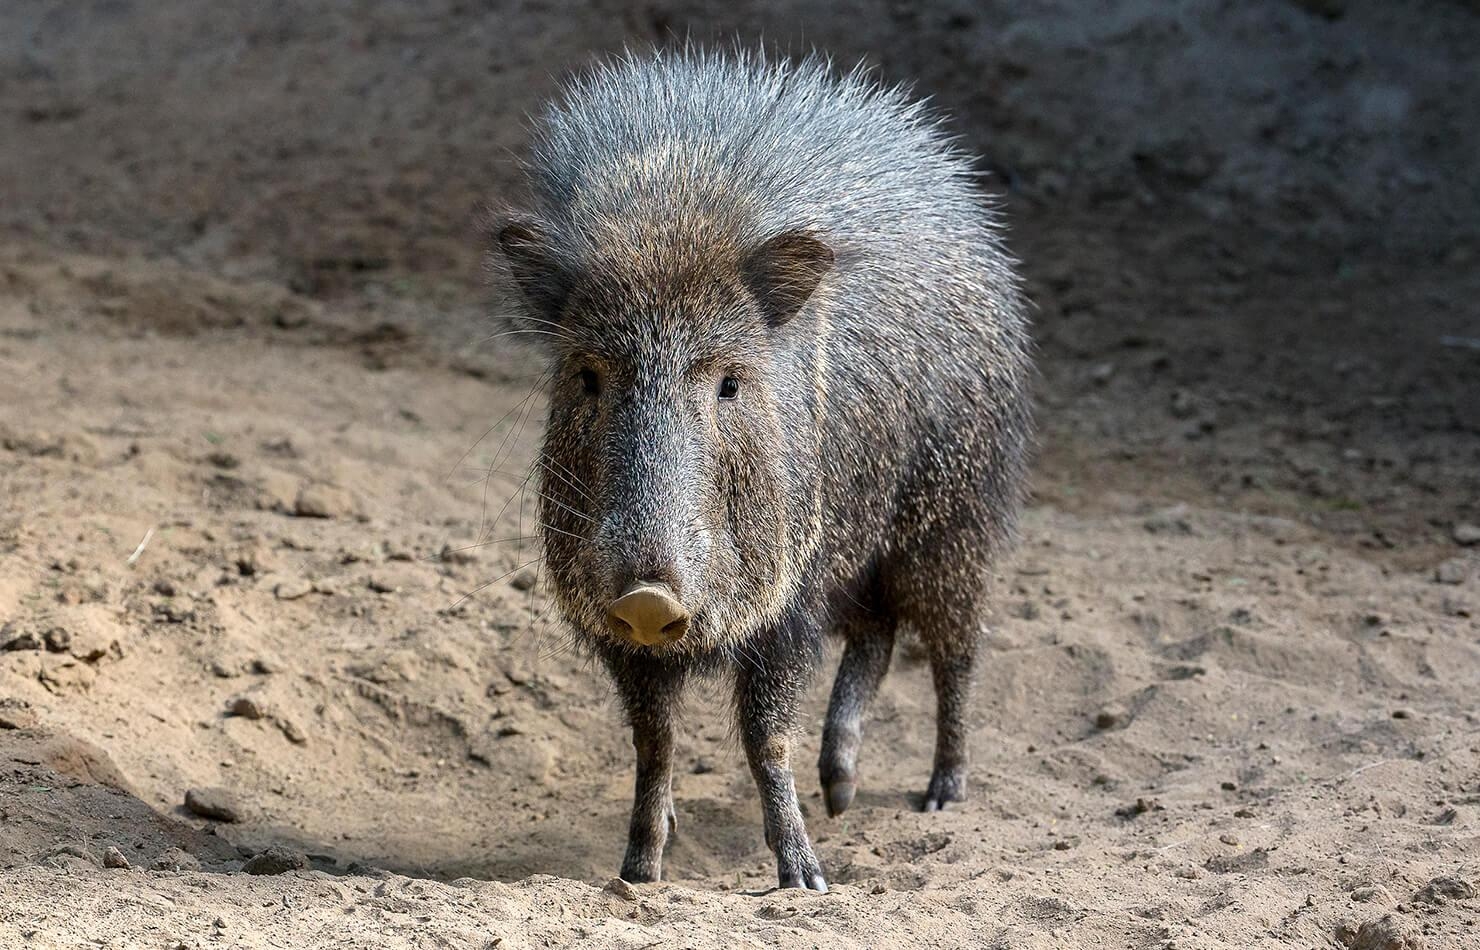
(259, 469)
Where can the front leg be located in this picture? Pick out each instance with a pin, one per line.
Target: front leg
(772, 674)
(650, 691)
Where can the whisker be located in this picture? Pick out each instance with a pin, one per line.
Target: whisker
(477, 544)
(482, 587)
(567, 480)
(462, 458)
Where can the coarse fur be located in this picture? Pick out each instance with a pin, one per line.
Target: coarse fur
(789, 380)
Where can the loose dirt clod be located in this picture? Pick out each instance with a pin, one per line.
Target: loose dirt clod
(275, 860)
(217, 804)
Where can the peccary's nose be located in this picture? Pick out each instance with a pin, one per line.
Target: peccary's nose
(649, 614)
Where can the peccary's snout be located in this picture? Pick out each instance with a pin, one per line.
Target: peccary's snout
(649, 614)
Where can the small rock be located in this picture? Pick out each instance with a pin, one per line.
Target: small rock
(1372, 894)
(1111, 716)
(1388, 932)
(16, 714)
(13, 638)
(293, 589)
(216, 804)
(1466, 533)
(323, 501)
(1230, 840)
(1102, 373)
(380, 585)
(225, 669)
(247, 707)
(1402, 714)
(113, 858)
(1138, 808)
(275, 860)
(1453, 571)
(1443, 889)
(620, 888)
(1062, 845)
(290, 729)
(175, 859)
(703, 767)
(524, 580)
(58, 639)
(165, 587)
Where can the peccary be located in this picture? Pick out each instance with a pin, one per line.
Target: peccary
(788, 395)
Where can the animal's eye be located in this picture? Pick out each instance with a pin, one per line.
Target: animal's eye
(589, 382)
(729, 387)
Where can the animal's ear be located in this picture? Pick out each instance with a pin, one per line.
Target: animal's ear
(784, 272)
(533, 266)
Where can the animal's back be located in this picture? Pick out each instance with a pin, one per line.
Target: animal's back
(753, 146)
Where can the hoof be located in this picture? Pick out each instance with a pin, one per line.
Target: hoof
(839, 795)
(945, 787)
(801, 868)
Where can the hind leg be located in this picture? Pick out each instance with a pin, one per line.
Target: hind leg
(870, 642)
(952, 645)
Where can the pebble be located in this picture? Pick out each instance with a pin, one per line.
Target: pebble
(58, 639)
(113, 858)
(290, 729)
(1388, 932)
(247, 707)
(174, 859)
(524, 580)
(1452, 571)
(380, 585)
(620, 888)
(293, 589)
(1372, 894)
(1443, 889)
(275, 860)
(16, 714)
(1466, 533)
(216, 804)
(1111, 716)
(13, 638)
(323, 501)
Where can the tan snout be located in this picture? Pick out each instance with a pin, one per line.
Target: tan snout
(648, 614)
